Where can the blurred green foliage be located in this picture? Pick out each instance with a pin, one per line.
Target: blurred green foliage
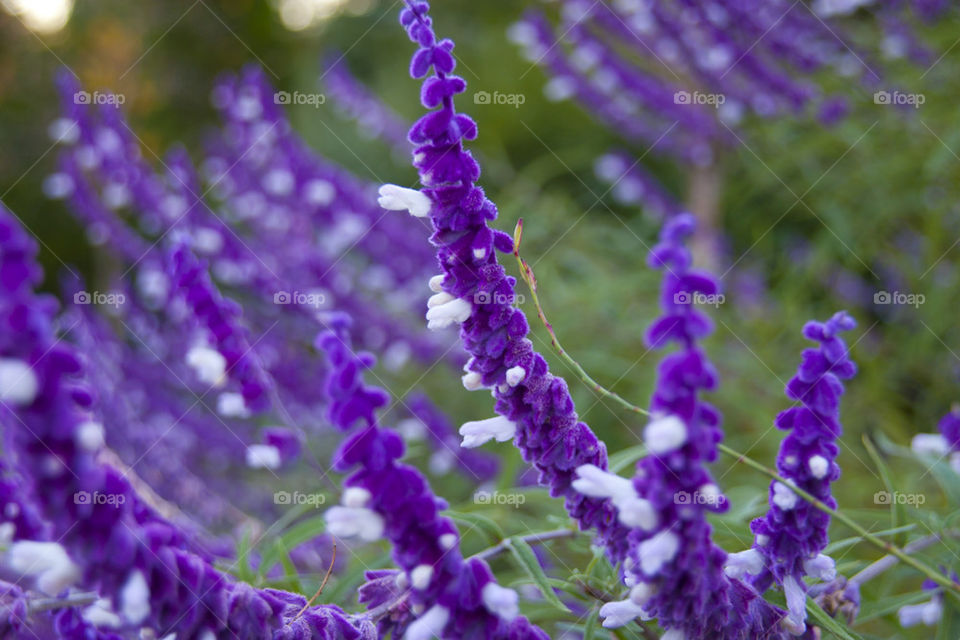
(875, 198)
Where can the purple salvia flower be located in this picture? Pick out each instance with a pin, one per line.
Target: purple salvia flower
(124, 550)
(673, 568)
(791, 538)
(452, 597)
(631, 184)
(229, 353)
(534, 407)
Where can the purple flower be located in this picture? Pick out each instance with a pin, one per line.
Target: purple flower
(790, 539)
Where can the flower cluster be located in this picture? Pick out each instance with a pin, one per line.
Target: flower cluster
(533, 406)
(790, 539)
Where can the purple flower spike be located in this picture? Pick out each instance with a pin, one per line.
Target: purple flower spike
(790, 539)
(452, 597)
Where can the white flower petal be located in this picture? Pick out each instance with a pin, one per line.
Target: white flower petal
(397, 198)
(666, 434)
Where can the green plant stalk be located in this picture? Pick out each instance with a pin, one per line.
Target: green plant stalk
(527, 274)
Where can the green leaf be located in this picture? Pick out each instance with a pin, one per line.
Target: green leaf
(622, 459)
(590, 629)
(824, 621)
(897, 509)
(523, 554)
(289, 540)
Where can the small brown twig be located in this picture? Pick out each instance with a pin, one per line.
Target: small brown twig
(322, 585)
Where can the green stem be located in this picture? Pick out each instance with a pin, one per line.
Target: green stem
(527, 274)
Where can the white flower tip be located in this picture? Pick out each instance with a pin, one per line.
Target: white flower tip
(620, 612)
(439, 298)
(48, 562)
(135, 598)
(516, 375)
(477, 432)
(209, 365)
(356, 497)
(18, 382)
(500, 601)
(796, 619)
(666, 434)
(436, 283)
(819, 466)
(89, 436)
(444, 315)
(783, 496)
(743, 563)
(472, 381)
(420, 576)
(821, 567)
(263, 456)
(429, 625)
(349, 522)
(637, 512)
(448, 541)
(396, 198)
(930, 444)
(927, 613)
(479, 254)
(232, 405)
(641, 593)
(658, 550)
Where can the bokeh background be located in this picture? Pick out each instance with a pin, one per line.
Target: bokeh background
(813, 219)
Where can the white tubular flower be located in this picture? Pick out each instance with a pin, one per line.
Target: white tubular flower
(396, 198)
(657, 551)
(439, 298)
(349, 522)
(783, 496)
(429, 625)
(742, 563)
(263, 456)
(821, 567)
(232, 405)
(930, 444)
(89, 436)
(819, 467)
(444, 315)
(48, 562)
(516, 375)
(595, 482)
(665, 434)
(100, 614)
(18, 382)
(355, 497)
(621, 612)
(209, 365)
(436, 283)
(796, 620)
(500, 601)
(448, 541)
(420, 576)
(472, 381)
(135, 598)
(641, 593)
(477, 432)
(927, 613)
(637, 512)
